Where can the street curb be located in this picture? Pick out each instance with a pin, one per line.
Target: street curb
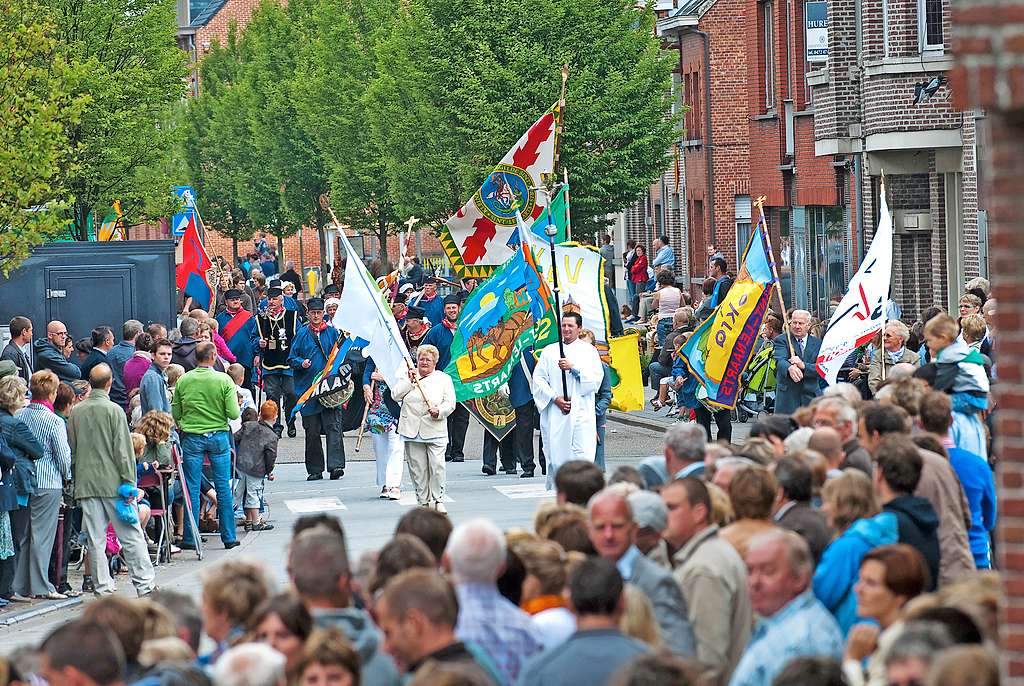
(639, 422)
(41, 611)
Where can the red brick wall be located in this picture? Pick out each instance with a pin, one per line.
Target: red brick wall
(989, 43)
(237, 12)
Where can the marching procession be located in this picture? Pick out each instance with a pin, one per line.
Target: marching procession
(626, 452)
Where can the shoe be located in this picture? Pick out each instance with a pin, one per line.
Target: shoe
(228, 545)
(175, 549)
(441, 508)
(278, 430)
(247, 526)
(458, 459)
(188, 546)
(489, 471)
(87, 585)
(526, 475)
(18, 598)
(4, 602)
(337, 474)
(262, 526)
(314, 477)
(66, 589)
(291, 431)
(384, 492)
(394, 493)
(51, 596)
(510, 472)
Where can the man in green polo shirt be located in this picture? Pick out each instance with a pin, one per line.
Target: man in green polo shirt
(204, 401)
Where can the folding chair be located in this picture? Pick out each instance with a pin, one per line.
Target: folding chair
(157, 480)
(190, 515)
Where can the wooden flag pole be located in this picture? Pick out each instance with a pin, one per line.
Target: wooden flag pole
(775, 274)
(366, 411)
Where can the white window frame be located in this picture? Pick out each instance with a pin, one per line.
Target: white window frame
(922, 30)
(767, 10)
(744, 227)
(885, 28)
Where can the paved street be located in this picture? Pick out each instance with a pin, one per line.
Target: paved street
(369, 521)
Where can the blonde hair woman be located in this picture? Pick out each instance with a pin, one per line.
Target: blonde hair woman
(849, 503)
(546, 573)
(427, 397)
(52, 469)
(638, 620)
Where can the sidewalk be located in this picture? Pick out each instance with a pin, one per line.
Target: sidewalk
(659, 420)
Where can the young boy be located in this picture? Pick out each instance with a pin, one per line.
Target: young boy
(256, 454)
(958, 370)
(245, 401)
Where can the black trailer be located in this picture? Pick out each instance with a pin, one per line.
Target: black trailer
(86, 284)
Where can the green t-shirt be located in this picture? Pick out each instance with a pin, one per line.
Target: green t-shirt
(204, 401)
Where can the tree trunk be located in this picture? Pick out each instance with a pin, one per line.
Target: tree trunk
(234, 251)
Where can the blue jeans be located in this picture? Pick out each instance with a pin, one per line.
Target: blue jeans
(631, 289)
(218, 445)
(602, 425)
(664, 328)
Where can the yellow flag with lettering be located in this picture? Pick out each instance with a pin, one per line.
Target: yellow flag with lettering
(627, 379)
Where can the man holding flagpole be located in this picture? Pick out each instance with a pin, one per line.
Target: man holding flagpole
(568, 423)
(308, 359)
(797, 377)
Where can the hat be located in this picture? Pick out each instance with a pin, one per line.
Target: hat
(415, 312)
(453, 299)
(649, 510)
(431, 279)
(331, 288)
(275, 283)
(232, 294)
(274, 291)
(331, 301)
(405, 288)
(7, 368)
(315, 304)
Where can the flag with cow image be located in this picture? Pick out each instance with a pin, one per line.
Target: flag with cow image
(719, 350)
(476, 238)
(496, 325)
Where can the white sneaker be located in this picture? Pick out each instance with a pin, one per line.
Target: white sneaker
(394, 493)
(384, 493)
(439, 506)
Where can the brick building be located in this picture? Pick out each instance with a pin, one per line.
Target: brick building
(988, 43)
(875, 113)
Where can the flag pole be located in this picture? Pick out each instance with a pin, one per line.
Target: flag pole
(558, 156)
(775, 275)
(881, 345)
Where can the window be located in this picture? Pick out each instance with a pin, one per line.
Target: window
(742, 223)
(929, 25)
(826, 228)
(885, 28)
(768, 53)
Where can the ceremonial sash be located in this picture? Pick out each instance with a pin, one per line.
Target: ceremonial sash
(238, 320)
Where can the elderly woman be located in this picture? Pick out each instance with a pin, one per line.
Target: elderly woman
(52, 470)
(852, 510)
(894, 351)
(427, 398)
(22, 475)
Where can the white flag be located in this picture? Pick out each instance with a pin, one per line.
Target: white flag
(364, 312)
(861, 313)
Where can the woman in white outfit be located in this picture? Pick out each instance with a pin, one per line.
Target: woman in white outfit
(423, 425)
(382, 424)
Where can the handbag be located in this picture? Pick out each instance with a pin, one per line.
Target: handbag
(8, 498)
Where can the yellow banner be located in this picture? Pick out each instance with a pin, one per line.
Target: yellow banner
(628, 380)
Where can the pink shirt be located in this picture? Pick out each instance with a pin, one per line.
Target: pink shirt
(134, 369)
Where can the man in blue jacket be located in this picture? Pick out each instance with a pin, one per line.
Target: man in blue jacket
(308, 358)
(238, 329)
(441, 336)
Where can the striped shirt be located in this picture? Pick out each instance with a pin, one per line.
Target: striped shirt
(51, 431)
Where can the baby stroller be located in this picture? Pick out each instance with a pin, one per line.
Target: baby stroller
(757, 392)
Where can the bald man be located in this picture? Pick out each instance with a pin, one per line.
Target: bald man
(796, 354)
(54, 353)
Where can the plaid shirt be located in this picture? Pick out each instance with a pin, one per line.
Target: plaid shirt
(490, 621)
(51, 432)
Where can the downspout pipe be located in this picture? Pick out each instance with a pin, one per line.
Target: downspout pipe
(709, 148)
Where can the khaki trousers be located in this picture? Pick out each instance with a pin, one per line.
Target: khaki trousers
(427, 471)
(96, 514)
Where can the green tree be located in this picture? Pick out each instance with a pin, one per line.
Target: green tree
(337, 66)
(37, 108)
(460, 80)
(214, 147)
(134, 72)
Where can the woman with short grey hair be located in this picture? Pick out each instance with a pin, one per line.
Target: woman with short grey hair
(894, 351)
(427, 397)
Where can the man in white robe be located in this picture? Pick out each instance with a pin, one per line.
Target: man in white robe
(568, 426)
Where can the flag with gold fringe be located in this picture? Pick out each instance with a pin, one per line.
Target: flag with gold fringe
(627, 378)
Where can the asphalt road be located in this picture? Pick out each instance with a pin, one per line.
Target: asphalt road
(369, 522)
